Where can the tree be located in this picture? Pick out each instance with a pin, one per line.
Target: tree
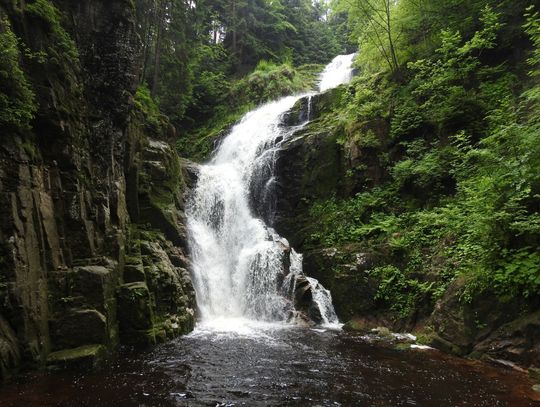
(168, 43)
(374, 20)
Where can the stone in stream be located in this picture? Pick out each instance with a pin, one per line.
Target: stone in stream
(534, 373)
(382, 331)
(83, 357)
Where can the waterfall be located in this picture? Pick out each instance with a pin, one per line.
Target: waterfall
(241, 267)
(308, 118)
(336, 72)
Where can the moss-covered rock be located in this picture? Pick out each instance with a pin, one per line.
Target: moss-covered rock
(66, 206)
(534, 374)
(83, 357)
(517, 341)
(160, 304)
(78, 328)
(135, 307)
(134, 272)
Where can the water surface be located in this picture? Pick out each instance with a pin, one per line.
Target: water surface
(276, 366)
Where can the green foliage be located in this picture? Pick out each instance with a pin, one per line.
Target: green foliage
(267, 82)
(17, 104)
(460, 158)
(30, 149)
(62, 46)
(425, 169)
(340, 221)
(440, 85)
(198, 144)
(211, 83)
(401, 294)
(294, 30)
(517, 273)
(317, 37)
(170, 61)
(193, 56)
(147, 105)
(374, 23)
(532, 28)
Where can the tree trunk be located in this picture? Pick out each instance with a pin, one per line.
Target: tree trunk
(390, 39)
(157, 51)
(235, 26)
(147, 34)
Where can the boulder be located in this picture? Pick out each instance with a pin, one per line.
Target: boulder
(95, 283)
(83, 357)
(78, 328)
(134, 273)
(517, 341)
(160, 306)
(304, 299)
(134, 308)
(486, 327)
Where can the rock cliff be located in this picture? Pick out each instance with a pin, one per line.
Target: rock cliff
(317, 163)
(92, 235)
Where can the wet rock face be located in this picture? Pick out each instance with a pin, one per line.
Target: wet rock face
(346, 274)
(487, 327)
(304, 300)
(76, 190)
(313, 164)
(308, 166)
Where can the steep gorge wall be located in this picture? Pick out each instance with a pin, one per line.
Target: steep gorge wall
(91, 197)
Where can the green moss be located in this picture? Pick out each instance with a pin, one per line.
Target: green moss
(30, 149)
(355, 326)
(270, 81)
(199, 143)
(132, 259)
(88, 356)
(402, 346)
(267, 82)
(534, 374)
(149, 108)
(61, 46)
(17, 100)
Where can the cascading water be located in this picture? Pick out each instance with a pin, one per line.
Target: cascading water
(241, 267)
(337, 72)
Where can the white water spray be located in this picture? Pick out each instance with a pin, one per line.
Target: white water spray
(242, 269)
(337, 72)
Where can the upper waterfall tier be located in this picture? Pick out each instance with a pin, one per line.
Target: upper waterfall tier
(337, 72)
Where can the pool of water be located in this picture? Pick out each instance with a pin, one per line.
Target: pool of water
(277, 366)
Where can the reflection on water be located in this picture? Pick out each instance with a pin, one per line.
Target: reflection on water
(272, 365)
